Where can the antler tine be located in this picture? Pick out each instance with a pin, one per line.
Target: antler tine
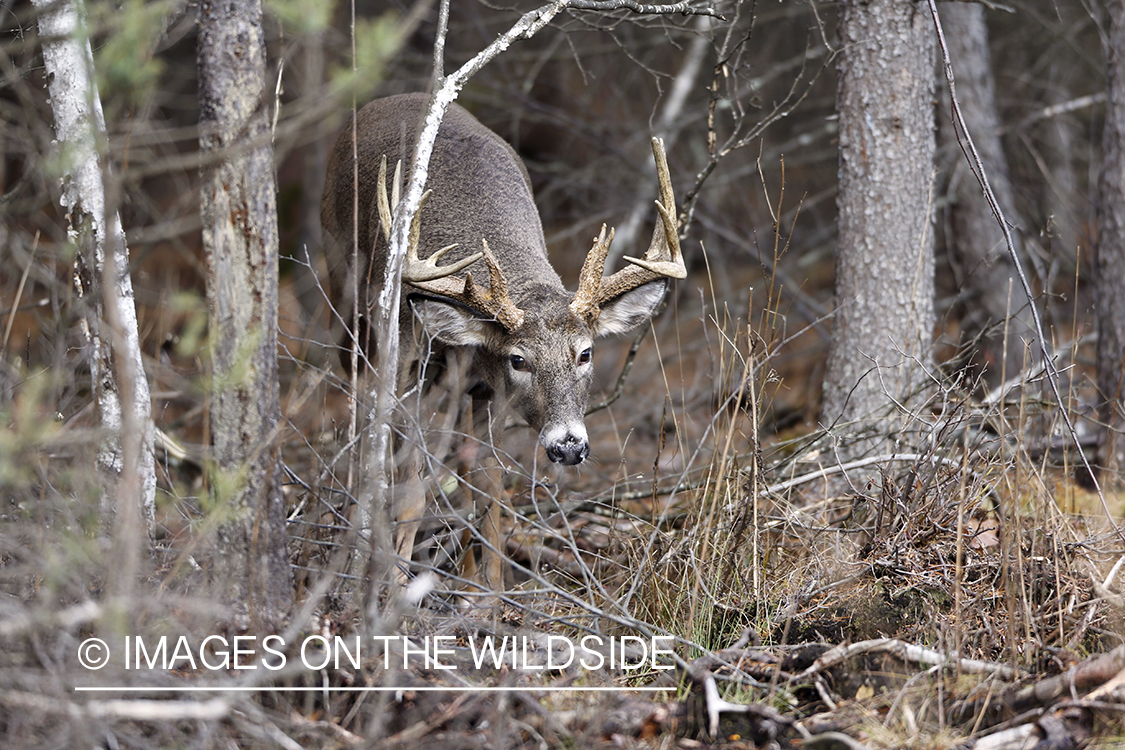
(496, 302)
(414, 270)
(396, 186)
(662, 260)
(585, 300)
(385, 217)
(663, 257)
(381, 197)
(499, 303)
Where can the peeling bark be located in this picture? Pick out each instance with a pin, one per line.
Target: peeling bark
(106, 289)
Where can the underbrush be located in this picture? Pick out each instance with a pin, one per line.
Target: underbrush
(897, 587)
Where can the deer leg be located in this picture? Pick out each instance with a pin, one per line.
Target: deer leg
(408, 510)
(468, 454)
(411, 496)
(484, 488)
(487, 574)
(492, 498)
(491, 551)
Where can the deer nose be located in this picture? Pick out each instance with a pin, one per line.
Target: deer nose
(571, 452)
(566, 446)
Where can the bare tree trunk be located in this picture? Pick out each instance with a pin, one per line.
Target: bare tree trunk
(1109, 258)
(238, 204)
(884, 261)
(1063, 137)
(120, 384)
(977, 241)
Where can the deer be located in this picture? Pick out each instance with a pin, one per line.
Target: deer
(525, 340)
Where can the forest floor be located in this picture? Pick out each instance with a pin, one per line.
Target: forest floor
(956, 589)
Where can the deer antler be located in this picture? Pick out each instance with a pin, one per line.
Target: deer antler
(428, 276)
(414, 269)
(663, 258)
(495, 302)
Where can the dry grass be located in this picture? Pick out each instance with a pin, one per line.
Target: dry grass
(697, 520)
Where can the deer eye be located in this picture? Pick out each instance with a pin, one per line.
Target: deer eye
(586, 355)
(519, 364)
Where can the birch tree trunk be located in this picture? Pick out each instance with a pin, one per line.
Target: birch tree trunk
(977, 241)
(250, 569)
(884, 261)
(1109, 258)
(102, 275)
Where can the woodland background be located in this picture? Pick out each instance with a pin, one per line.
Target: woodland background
(705, 511)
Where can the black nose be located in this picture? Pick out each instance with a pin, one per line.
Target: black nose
(571, 451)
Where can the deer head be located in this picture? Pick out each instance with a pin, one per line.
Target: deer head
(532, 340)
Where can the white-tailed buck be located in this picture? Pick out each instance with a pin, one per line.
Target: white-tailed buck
(527, 339)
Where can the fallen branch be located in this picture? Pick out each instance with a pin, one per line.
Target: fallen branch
(1103, 671)
(129, 710)
(907, 652)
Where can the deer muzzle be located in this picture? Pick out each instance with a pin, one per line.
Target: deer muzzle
(565, 444)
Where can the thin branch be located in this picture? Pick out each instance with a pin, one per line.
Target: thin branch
(439, 43)
(619, 387)
(684, 8)
(965, 139)
(906, 652)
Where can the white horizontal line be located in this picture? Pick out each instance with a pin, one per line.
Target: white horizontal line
(417, 689)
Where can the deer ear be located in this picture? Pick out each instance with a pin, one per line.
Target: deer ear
(452, 323)
(627, 311)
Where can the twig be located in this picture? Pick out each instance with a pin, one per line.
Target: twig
(132, 710)
(686, 8)
(966, 141)
(19, 294)
(780, 487)
(619, 387)
(69, 618)
(1061, 108)
(1096, 671)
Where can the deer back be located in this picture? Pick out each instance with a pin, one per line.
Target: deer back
(481, 190)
